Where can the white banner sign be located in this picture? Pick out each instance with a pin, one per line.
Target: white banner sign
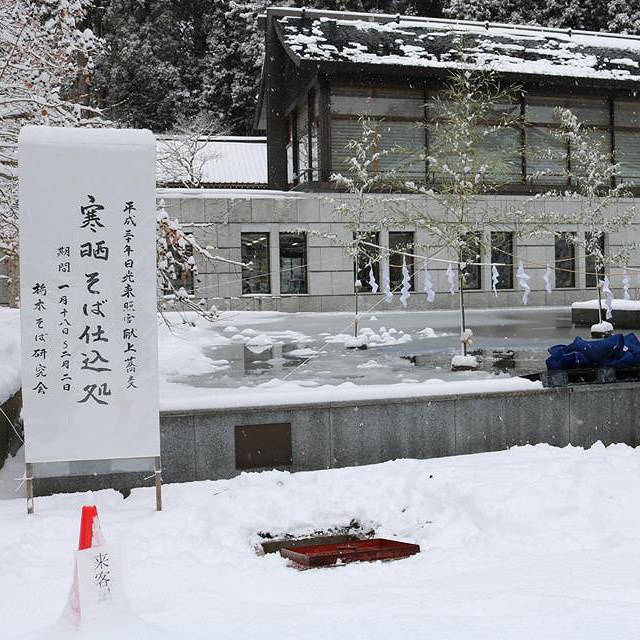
(88, 294)
(100, 591)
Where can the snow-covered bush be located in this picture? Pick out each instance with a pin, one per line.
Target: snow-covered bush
(46, 66)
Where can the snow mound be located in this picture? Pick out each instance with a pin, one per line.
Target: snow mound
(467, 362)
(602, 327)
(428, 332)
(618, 305)
(370, 364)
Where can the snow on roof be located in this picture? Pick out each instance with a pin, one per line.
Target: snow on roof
(220, 160)
(439, 44)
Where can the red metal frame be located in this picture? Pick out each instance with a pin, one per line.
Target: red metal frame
(324, 555)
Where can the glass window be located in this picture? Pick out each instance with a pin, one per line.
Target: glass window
(342, 132)
(303, 144)
(293, 263)
(255, 253)
(589, 111)
(565, 261)
(498, 150)
(591, 274)
(313, 137)
(471, 251)
(400, 241)
(626, 113)
(402, 147)
(290, 168)
(377, 101)
(628, 155)
(396, 115)
(502, 252)
(366, 254)
(546, 157)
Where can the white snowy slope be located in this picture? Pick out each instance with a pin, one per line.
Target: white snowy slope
(528, 544)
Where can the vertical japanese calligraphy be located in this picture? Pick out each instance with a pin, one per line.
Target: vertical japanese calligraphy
(88, 289)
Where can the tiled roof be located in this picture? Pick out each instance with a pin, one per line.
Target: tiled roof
(440, 45)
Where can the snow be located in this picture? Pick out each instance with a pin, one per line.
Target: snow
(431, 43)
(618, 305)
(9, 353)
(530, 543)
(602, 327)
(31, 134)
(220, 160)
(464, 361)
(180, 397)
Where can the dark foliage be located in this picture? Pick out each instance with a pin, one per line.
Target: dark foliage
(170, 60)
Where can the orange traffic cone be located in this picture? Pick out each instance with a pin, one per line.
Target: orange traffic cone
(86, 527)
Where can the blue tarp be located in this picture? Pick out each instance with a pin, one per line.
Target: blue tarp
(615, 351)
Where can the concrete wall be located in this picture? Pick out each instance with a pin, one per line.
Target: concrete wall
(200, 445)
(218, 218)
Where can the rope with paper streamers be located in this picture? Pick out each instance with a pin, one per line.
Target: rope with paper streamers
(387, 252)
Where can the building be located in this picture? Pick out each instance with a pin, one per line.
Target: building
(322, 70)
(273, 204)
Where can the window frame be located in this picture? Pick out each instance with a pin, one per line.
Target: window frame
(303, 268)
(510, 266)
(572, 259)
(396, 283)
(246, 273)
(374, 238)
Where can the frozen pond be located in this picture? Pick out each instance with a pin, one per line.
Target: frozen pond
(249, 349)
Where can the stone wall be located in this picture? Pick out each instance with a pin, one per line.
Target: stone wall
(200, 445)
(217, 218)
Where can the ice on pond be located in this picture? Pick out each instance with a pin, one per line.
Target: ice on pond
(312, 348)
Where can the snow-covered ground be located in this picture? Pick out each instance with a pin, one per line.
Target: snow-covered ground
(532, 543)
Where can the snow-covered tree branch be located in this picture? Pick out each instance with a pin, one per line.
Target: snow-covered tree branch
(45, 73)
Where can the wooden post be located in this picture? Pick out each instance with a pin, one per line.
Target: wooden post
(158, 484)
(29, 478)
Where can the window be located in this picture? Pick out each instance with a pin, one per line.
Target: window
(293, 263)
(494, 150)
(303, 144)
(565, 261)
(366, 254)
(592, 275)
(396, 115)
(400, 241)
(471, 251)
(255, 250)
(627, 139)
(314, 173)
(502, 251)
(291, 170)
(548, 159)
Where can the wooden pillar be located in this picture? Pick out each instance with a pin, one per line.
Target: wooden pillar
(274, 95)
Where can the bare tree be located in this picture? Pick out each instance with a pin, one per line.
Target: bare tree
(184, 155)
